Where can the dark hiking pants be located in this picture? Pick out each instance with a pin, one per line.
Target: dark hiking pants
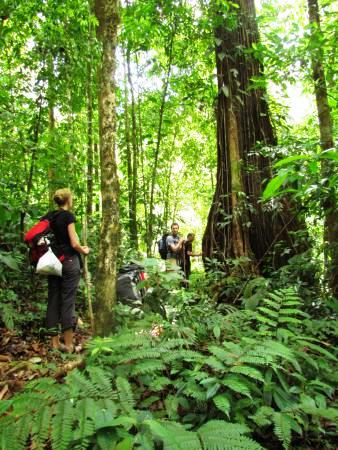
(61, 296)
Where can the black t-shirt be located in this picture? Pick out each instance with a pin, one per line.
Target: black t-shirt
(59, 223)
(187, 248)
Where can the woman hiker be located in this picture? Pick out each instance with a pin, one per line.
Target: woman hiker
(62, 290)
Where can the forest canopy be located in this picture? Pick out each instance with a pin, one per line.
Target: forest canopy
(218, 116)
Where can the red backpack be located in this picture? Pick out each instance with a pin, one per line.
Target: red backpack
(39, 238)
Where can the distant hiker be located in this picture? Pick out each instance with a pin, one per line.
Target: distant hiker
(62, 290)
(174, 246)
(186, 254)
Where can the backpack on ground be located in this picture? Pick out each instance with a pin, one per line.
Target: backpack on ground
(162, 246)
(128, 278)
(40, 238)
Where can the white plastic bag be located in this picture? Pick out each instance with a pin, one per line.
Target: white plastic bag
(49, 264)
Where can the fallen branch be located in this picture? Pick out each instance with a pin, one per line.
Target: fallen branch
(62, 371)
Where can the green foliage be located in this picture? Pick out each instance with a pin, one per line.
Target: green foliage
(204, 391)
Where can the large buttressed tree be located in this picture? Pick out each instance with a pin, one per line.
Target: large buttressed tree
(107, 12)
(239, 225)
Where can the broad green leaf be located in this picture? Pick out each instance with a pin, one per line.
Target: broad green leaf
(273, 185)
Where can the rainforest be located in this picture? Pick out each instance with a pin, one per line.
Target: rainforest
(168, 224)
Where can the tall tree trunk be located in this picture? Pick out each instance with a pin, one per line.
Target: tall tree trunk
(97, 175)
(51, 168)
(51, 130)
(135, 155)
(326, 142)
(107, 13)
(237, 224)
(145, 190)
(90, 152)
(158, 144)
(128, 154)
(166, 200)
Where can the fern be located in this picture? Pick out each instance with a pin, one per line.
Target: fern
(223, 404)
(41, 425)
(174, 436)
(62, 425)
(250, 372)
(282, 428)
(8, 436)
(86, 409)
(236, 384)
(125, 394)
(279, 307)
(220, 435)
(159, 383)
(102, 381)
(215, 364)
(80, 383)
(147, 366)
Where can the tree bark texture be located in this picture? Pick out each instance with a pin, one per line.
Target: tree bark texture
(238, 225)
(326, 142)
(107, 13)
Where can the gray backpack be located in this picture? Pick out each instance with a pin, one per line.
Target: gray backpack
(127, 280)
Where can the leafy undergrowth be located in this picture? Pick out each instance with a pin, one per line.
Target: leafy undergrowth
(203, 378)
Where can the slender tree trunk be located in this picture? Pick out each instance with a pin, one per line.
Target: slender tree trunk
(97, 160)
(107, 13)
(166, 200)
(135, 156)
(90, 152)
(158, 144)
(128, 155)
(51, 168)
(238, 227)
(326, 142)
(145, 190)
(51, 130)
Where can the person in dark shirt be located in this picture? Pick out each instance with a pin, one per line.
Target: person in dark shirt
(187, 253)
(62, 290)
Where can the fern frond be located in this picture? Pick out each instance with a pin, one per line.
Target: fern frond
(147, 366)
(273, 314)
(41, 426)
(282, 428)
(215, 364)
(182, 354)
(174, 436)
(174, 343)
(102, 380)
(8, 437)
(86, 409)
(79, 383)
(191, 389)
(266, 321)
(236, 384)
(220, 435)
(125, 393)
(248, 371)
(263, 416)
(222, 403)
(144, 353)
(62, 425)
(159, 383)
